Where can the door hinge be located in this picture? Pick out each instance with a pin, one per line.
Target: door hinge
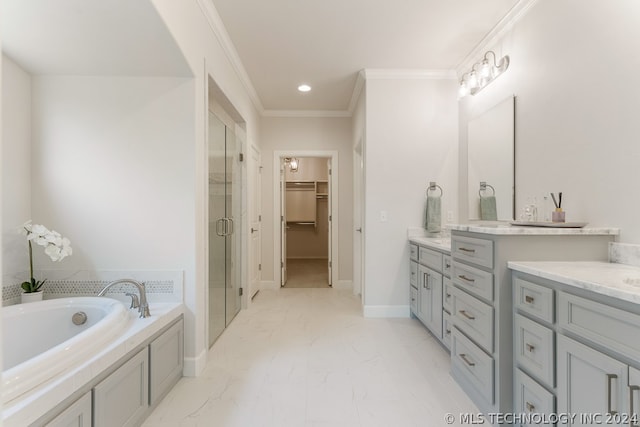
(281, 264)
(241, 157)
(281, 218)
(330, 217)
(240, 291)
(259, 218)
(330, 264)
(329, 171)
(259, 267)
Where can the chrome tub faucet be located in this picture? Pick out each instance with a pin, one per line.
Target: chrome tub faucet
(143, 307)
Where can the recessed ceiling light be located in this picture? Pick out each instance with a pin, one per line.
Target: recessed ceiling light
(304, 88)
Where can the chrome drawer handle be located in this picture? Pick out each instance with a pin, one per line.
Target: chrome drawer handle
(632, 415)
(466, 359)
(530, 347)
(426, 281)
(466, 314)
(467, 250)
(530, 406)
(447, 265)
(463, 277)
(528, 299)
(448, 331)
(609, 399)
(447, 296)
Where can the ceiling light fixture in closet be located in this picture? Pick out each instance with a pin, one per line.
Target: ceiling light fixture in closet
(474, 80)
(304, 88)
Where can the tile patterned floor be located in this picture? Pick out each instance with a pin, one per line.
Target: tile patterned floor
(307, 357)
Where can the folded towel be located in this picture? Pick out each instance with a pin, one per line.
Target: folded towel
(488, 210)
(432, 214)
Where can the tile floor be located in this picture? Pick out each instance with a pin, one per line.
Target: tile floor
(307, 357)
(307, 273)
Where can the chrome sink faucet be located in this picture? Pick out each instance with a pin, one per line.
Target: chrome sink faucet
(143, 308)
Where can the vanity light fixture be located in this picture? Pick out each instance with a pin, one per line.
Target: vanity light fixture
(482, 73)
(292, 163)
(304, 88)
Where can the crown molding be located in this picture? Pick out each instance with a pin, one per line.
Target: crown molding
(306, 113)
(220, 31)
(357, 90)
(514, 15)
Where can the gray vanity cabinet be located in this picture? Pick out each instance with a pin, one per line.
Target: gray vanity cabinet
(430, 299)
(122, 398)
(590, 382)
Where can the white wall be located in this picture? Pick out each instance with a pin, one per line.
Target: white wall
(411, 139)
(16, 168)
(573, 71)
(312, 134)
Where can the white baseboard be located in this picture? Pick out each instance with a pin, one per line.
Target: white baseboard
(346, 285)
(193, 366)
(389, 311)
(269, 285)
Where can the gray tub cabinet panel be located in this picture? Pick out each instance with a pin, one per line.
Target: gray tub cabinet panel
(166, 361)
(76, 415)
(122, 398)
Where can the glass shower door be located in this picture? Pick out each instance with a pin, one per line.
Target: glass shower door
(233, 208)
(217, 213)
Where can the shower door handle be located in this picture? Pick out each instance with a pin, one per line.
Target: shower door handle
(220, 227)
(231, 227)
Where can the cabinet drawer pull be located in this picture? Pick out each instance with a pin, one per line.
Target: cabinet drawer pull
(448, 331)
(633, 417)
(466, 314)
(466, 359)
(448, 296)
(467, 250)
(528, 299)
(610, 377)
(447, 265)
(530, 347)
(530, 407)
(425, 278)
(465, 278)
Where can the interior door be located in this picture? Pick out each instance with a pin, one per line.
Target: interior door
(358, 221)
(255, 180)
(330, 220)
(283, 226)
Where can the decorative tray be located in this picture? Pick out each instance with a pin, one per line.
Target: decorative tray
(549, 224)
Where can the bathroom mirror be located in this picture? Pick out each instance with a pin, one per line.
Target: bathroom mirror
(490, 161)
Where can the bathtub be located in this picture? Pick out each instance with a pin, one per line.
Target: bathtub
(40, 340)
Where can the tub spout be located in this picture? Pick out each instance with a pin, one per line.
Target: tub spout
(143, 309)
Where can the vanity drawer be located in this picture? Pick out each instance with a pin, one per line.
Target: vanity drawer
(413, 275)
(533, 299)
(413, 251)
(473, 364)
(430, 258)
(474, 318)
(473, 280)
(615, 329)
(472, 250)
(447, 295)
(413, 304)
(447, 326)
(446, 265)
(531, 397)
(534, 350)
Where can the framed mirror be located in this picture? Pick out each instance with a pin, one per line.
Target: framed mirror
(491, 164)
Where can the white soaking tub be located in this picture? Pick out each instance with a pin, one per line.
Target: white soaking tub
(40, 341)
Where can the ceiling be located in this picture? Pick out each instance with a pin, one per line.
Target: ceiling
(283, 43)
(89, 37)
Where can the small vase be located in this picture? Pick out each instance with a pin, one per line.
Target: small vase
(31, 296)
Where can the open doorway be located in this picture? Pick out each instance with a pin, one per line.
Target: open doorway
(305, 199)
(306, 211)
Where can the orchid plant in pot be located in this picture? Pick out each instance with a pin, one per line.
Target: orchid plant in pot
(55, 246)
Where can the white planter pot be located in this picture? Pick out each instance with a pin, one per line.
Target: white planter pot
(31, 296)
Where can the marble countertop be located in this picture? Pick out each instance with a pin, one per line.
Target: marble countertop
(442, 244)
(505, 228)
(615, 280)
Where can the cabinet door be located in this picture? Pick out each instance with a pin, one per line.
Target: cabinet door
(76, 415)
(634, 397)
(122, 398)
(590, 383)
(430, 299)
(166, 361)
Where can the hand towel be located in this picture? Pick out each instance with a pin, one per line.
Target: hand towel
(488, 210)
(432, 214)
